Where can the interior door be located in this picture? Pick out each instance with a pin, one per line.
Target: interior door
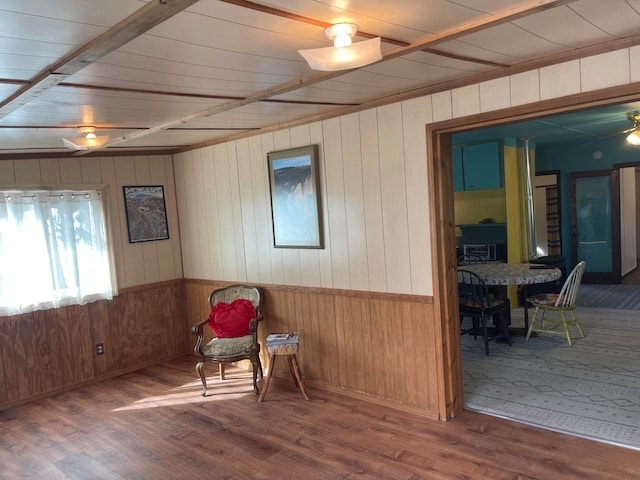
(595, 224)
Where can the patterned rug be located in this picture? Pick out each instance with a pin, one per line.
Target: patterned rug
(626, 297)
(591, 389)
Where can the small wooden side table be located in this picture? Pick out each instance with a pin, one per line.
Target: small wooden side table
(290, 350)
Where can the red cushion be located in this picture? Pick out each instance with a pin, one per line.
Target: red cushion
(230, 320)
(544, 299)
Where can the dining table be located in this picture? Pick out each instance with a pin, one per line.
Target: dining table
(499, 274)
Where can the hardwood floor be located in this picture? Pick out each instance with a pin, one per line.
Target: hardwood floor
(154, 424)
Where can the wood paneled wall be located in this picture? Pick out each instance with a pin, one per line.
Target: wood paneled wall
(136, 263)
(379, 220)
(46, 351)
(380, 346)
(373, 195)
(52, 350)
(373, 181)
(388, 222)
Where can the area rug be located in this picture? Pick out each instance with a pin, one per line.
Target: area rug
(626, 297)
(591, 389)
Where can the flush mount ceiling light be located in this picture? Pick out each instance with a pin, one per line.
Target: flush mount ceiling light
(88, 142)
(634, 137)
(344, 54)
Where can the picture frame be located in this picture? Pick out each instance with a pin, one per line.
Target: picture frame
(146, 213)
(295, 198)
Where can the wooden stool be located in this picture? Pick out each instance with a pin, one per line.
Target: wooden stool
(290, 350)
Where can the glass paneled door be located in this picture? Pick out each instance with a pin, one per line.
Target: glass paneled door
(595, 224)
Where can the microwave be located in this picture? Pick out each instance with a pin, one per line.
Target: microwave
(487, 251)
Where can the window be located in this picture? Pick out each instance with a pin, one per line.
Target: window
(53, 249)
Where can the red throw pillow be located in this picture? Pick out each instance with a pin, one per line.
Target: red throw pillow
(230, 320)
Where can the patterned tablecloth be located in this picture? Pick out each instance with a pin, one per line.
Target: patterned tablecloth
(513, 273)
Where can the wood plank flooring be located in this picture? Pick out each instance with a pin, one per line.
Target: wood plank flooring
(153, 424)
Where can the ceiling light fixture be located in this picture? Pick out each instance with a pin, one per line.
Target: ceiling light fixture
(634, 137)
(344, 54)
(88, 142)
(341, 34)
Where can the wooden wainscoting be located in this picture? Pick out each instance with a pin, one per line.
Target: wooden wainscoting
(381, 347)
(49, 351)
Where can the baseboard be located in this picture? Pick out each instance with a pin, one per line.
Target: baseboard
(362, 396)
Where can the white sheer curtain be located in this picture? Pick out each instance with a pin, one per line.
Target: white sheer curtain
(53, 250)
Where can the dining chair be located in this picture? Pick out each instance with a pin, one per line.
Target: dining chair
(494, 291)
(565, 301)
(476, 302)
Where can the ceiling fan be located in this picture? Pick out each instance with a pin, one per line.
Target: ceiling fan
(634, 136)
(344, 54)
(89, 141)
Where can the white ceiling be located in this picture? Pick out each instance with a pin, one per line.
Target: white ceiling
(167, 75)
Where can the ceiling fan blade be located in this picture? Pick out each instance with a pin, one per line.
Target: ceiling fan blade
(356, 55)
(599, 138)
(83, 143)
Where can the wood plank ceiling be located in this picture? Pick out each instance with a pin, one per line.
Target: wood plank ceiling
(170, 75)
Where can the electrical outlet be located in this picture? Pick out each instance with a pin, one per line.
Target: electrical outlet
(99, 348)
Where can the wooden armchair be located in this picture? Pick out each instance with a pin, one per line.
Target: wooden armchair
(235, 315)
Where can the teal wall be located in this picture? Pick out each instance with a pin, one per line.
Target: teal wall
(580, 158)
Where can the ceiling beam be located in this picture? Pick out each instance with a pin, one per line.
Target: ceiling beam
(312, 21)
(139, 22)
(528, 10)
(450, 34)
(477, 25)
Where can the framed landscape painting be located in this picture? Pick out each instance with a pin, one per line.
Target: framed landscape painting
(295, 198)
(146, 213)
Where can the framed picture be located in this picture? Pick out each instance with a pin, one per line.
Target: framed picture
(295, 198)
(146, 213)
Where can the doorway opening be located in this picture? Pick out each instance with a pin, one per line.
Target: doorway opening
(444, 245)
